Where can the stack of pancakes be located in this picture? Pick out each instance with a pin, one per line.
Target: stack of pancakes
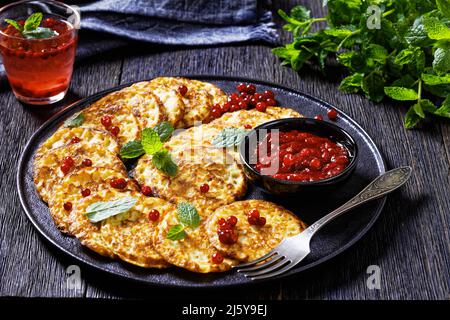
(131, 236)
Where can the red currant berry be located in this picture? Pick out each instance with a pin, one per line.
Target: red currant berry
(242, 87)
(118, 183)
(271, 102)
(261, 221)
(87, 162)
(68, 206)
(232, 221)
(204, 188)
(106, 121)
(65, 168)
(261, 106)
(69, 161)
(225, 107)
(217, 258)
(318, 117)
(332, 114)
(182, 90)
(114, 130)
(253, 213)
(85, 192)
(153, 215)
(242, 105)
(247, 126)
(269, 94)
(74, 140)
(223, 224)
(147, 191)
(216, 112)
(250, 89)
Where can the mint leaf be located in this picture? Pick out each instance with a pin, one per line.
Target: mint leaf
(411, 118)
(176, 232)
(163, 162)
(400, 93)
(99, 211)
(372, 85)
(436, 29)
(444, 109)
(433, 80)
(444, 7)
(188, 215)
(427, 106)
(441, 62)
(151, 142)
(164, 130)
(33, 21)
(15, 24)
(40, 33)
(75, 121)
(405, 56)
(352, 84)
(417, 35)
(229, 137)
(131, 149)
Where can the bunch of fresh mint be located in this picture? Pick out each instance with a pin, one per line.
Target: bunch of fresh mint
(394, 48)
(31, 28)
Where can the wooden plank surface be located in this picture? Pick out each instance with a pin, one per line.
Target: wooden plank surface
(410, 242)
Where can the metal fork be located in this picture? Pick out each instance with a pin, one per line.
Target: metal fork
(294, 249)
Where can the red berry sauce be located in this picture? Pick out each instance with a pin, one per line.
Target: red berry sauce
(302, 156)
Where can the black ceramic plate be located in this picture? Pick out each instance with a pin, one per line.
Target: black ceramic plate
(329, 242)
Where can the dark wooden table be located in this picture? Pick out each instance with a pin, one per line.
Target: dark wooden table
(410, 242)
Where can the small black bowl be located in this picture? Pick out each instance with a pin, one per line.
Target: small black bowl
(316, 127)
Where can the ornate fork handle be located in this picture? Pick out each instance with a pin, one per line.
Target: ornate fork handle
(379, 187)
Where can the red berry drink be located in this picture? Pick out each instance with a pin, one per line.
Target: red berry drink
(38, 56)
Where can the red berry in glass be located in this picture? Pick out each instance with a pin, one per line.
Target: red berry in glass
(153, 215)
(39, 70)
(147, 191)
(182, 90)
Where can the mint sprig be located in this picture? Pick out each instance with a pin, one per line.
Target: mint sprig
(152, 143)
(31, 28)
(188, 216)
